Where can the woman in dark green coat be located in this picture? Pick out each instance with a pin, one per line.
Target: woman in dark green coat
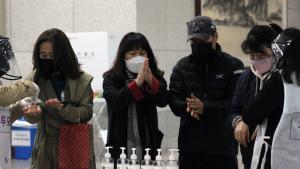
(66, 94)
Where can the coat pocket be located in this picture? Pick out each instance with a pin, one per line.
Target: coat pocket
(295, 126)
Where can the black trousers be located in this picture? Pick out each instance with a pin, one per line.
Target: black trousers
(188, 161)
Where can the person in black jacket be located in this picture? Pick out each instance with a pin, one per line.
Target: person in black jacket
(258, 46)
(201, 88)
(267, 106)
(132, 88)
(265, 110)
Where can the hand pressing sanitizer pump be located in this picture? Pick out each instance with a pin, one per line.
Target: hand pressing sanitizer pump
(147, 162)
(133, 163)
(107, 162)
(122, 162)
(159, 163)
(172, 163)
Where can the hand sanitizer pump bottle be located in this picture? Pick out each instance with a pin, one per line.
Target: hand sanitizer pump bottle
(159, 163)
(122, 162)
(172, 162)
(107, 161)
(133, 163)
(147, 162)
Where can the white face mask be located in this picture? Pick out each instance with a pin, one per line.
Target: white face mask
(262, 66)
(135, 64)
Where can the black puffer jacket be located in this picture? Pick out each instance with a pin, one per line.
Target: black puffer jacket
(213, 82)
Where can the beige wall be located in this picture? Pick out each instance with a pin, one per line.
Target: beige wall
(2, 17)
(293, 13)
(163, 22)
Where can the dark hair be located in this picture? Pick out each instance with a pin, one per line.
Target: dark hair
(133, 41)
(276, 27)
(64, 55)
(258, 38)
(290, 61)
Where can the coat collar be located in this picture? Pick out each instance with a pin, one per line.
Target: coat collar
(77, 86)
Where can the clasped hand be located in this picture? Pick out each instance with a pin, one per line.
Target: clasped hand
(194, 106)
(145, 74)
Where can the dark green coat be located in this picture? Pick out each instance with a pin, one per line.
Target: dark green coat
(79, 93)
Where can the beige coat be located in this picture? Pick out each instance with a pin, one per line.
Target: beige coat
(13, 93)
(79, 93)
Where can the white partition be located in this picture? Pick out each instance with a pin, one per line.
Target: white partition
(96, 52)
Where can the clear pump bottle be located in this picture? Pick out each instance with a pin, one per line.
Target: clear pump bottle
(122, 162)
(172, 162)
(159, 163)
(147, 162)
(133, 163)
(107, 161)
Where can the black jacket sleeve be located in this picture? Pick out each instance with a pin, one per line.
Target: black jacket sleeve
(222, 107)
(237, 99)
(116, 97)
(162, 97)
(177, 91)
(267, 101)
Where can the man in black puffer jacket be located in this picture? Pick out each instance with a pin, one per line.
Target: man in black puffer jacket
(202, 85)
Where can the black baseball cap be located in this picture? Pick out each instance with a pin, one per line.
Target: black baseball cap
(201, 27)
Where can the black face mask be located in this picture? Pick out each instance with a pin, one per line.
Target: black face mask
(47, 66)
(203, 50)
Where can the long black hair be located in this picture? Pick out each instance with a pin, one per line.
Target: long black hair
(64, 56)
(133, 41)
(259, 38)
(290, 61)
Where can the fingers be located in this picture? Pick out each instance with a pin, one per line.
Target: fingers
(32, 110)
(195, 104)
(188, 109)
(146, 64)
(195, 115)
(241, 133)
(52, 102)
(244, 138)
(49, 101)
(25, 108)
(239, 137)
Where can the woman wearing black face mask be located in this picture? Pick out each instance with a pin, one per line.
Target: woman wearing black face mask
(66, 94)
